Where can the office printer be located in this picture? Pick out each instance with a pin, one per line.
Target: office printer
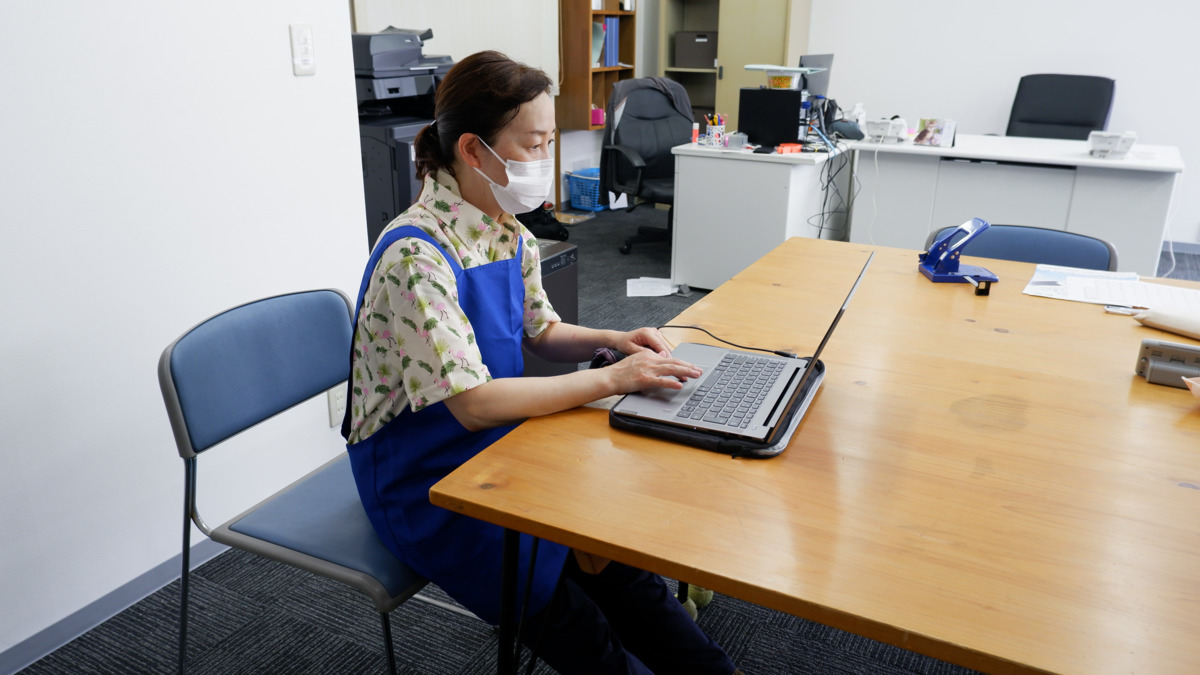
(391, 66)
(395, 82)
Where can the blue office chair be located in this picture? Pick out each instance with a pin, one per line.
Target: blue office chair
(239, 368)
(1038, 245)
(1061, 106)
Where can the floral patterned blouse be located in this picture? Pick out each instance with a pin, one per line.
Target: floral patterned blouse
(413, 345)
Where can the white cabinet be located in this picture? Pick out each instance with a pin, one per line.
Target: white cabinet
(907, 191)
(1009, 194)
(732, 208)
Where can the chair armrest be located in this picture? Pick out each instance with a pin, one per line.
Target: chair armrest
(630, 154)
(635, 159)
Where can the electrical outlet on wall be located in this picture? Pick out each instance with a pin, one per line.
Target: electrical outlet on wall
(337, 405)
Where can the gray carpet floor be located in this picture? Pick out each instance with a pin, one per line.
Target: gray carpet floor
(603, 271)
(250, 615)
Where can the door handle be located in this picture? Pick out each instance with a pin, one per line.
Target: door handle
(720, 72)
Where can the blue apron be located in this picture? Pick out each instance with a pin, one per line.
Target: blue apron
(395, 467)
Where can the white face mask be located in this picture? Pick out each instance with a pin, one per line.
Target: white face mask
(528, 183)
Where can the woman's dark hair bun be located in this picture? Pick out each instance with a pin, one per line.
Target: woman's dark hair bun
(480, 95)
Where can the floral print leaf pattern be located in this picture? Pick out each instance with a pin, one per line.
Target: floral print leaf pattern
(414, 345)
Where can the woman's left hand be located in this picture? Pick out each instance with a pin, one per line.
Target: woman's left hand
(643, 338)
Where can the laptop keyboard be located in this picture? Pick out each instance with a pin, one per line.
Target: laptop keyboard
(733, 391)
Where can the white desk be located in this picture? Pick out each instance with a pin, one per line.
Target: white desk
(733, 207)
(906, 191)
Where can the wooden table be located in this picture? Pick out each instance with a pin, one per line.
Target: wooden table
(980, 479)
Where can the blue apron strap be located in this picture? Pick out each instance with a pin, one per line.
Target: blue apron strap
(387, 239)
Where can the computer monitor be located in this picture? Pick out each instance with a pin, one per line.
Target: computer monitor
(817, 84)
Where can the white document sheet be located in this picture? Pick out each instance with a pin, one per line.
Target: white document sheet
(647, 287)
(1109, 288)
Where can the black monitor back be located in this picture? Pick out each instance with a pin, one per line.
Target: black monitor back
(770, 116)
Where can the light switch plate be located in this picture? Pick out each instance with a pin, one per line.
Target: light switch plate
(304, 58)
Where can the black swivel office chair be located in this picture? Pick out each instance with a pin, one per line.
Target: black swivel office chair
(646, 118)
(1061, 106)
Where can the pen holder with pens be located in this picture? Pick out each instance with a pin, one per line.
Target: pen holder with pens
(716, 135)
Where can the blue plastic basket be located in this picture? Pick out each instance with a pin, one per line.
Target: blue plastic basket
(585, 189)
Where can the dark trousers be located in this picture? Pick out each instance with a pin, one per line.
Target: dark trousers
(623, 620)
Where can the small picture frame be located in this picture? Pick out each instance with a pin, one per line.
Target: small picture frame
(936, 132)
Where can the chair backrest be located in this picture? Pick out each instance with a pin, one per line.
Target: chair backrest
(1061, 106)
(1038, 245)
(251, 362)
(651, 125)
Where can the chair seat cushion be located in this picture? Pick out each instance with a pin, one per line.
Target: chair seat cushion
(658, 190)
(321, 516)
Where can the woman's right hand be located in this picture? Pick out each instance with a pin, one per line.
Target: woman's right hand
(646, 369)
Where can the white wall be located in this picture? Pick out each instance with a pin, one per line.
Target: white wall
(962, 60)
(159, 163)
(524, 30)
(463, 27)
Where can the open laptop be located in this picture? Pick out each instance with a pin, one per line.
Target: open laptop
(745, 403)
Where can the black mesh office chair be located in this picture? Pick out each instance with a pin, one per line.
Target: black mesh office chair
(1061, 106)
(646, 118)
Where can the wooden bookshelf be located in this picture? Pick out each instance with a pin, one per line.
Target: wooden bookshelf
(583, 83)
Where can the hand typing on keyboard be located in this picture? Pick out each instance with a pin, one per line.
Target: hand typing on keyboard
(646, 369)
(641, 340)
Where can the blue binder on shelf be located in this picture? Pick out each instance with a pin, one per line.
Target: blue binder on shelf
(611, 40)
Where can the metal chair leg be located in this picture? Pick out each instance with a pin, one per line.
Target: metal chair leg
(506, 663)
(189, 503)
(682, 593)
(387, 641)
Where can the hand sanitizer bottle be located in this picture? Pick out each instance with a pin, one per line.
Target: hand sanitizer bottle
(858, 115)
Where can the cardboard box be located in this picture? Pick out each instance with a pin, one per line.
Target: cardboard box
(695, 49)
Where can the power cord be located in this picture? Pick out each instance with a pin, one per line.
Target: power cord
(777, 352)
(833, 202)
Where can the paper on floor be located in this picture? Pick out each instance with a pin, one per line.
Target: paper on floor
(648, 287)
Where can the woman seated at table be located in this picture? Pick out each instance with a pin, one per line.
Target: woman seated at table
(451, 293)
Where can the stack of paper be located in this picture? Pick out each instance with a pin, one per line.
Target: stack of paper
(1109, 288)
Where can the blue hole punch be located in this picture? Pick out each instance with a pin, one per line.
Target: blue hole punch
(940, 263)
